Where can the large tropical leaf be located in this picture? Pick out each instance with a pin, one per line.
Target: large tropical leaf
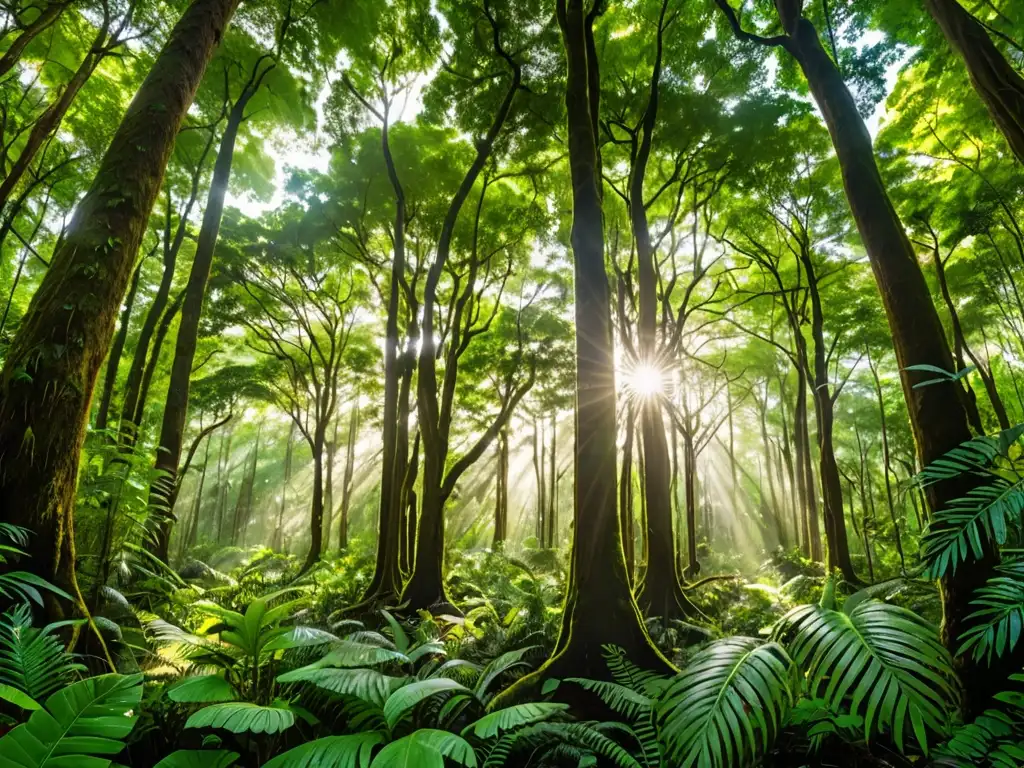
(82, 725)
(351, 751)
(33, 660)
(407, 697)
(425, 748)
(879, 661)
(725, 708)
(300, 637)
(367, 684)
(202, 689)
(243, 717)
(513, 717)
(199, 758)
(348, 653)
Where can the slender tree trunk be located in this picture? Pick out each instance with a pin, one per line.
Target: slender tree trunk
(538, 476)
(552, 482)
(316, 512)
(279, 531)
(626, 495)
(154, 357)
(116, 349)
(998, 84)
(224, 488)
(46, 18)
(831, 484)
(49, 122)
(690, 486)
(960, 346)
(346, 483)
(189, 541)
(408, 534)
(66, 333)
(501, 496)
(386, 582)
(800, 448)
(172, 429)
(332, 450)
(887, 463)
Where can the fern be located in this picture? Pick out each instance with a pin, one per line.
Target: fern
(351, 751)
(999, 620)
(32, 660)
(620, 699)
(886, 660)
(725, 708)
(510, 718)
(985, 512)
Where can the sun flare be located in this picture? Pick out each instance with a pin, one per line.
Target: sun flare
(645, 381)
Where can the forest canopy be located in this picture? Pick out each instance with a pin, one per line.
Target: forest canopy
(511, 382)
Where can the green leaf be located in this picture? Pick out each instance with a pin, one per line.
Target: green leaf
(512, 717)
(404, 699)
(351, 751)
(82, 724)
(425, 748)
(367, 684)
(726, 707)
(400, 637)
(199, 758)
(879, 660)
(202, 689)
(243, 717)
(18, 698)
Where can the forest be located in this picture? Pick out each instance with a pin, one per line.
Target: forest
(482, 383)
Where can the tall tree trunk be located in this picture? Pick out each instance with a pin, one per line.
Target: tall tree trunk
(346, 482)
(538, 476)
(386, 582)
(626, 495)
(154, 357)
(599, 605)
(552, 517)
(134, 403)
(172, 429)
(116, 350)
(501, 495)
(189, 540)
(279, 530)
(49, 122)
(936, 413)
(690, 490)
(831, 483)
(800, 448)
(998, 84)
(223, 487)
(332, 450)
(660, 594)
(316, 511)
(408, 534)
(46, 18)
(51, 366)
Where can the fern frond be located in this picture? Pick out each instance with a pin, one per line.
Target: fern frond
(622, 700)
(996, 626)
(725, 708)
(885, 660)
(33, 660)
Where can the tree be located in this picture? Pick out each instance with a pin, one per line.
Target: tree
(52, 365)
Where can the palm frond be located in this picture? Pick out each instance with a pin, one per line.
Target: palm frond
(725, 708)
(350, 751)
(996, 626)
(886, 660)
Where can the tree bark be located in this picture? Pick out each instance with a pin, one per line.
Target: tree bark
(316, 511)
(998, 84)
(552, 516)
(501, 493)
(599, 604)
(626, 495)
(172, 429)
(279, 531)
(831, 483)
(346, 482)
(52, 365)
(116, 350)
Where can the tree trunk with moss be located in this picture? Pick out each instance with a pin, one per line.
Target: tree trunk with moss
(599, 604)
(116, 350)
(53, 363)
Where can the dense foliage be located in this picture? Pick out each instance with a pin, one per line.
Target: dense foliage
(621, 383)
